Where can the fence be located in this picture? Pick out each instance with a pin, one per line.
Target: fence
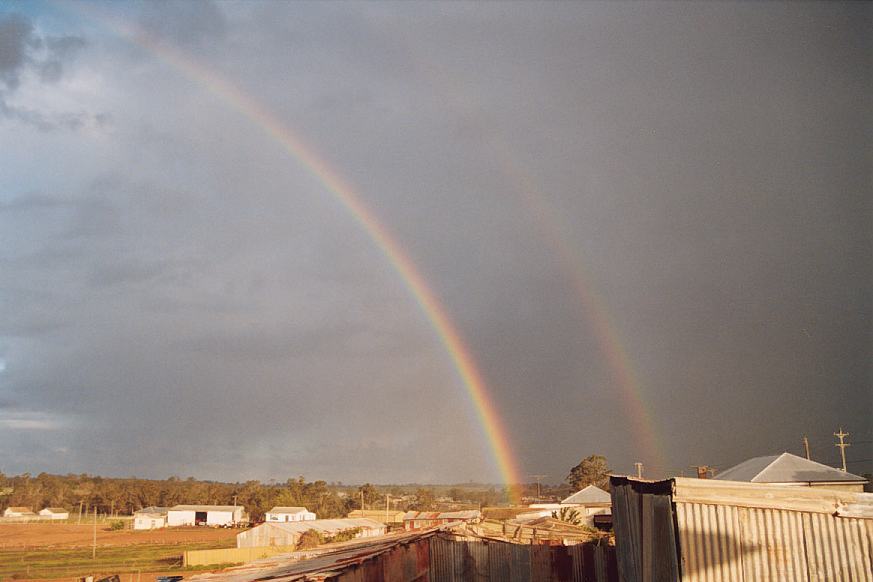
(231, 555)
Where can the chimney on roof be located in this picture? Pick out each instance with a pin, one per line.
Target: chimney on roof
(703, 471)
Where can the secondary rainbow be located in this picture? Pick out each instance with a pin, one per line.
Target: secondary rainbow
(486, 412)
(648, 445)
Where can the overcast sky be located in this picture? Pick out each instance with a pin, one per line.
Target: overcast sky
(676, 193)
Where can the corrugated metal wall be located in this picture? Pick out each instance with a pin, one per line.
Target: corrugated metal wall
(726, 541)
(495, 561)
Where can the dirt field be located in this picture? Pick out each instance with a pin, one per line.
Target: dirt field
(63, 551)
(56, 535)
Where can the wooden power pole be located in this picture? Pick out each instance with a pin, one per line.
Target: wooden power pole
(538, 479)
(94, 539)
(639, 467)
(806, 447)
(842, 445)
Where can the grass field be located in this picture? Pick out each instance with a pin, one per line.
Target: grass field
(40, 551)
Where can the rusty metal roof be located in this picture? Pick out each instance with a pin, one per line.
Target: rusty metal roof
(290, 567)
(451, 515)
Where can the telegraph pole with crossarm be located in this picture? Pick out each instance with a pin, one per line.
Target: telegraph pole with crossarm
(842, 445)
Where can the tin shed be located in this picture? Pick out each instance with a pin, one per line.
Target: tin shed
(726, 531)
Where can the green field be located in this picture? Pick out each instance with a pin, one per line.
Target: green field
(72, 562)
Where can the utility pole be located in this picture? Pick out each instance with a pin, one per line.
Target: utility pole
(639, 467)
(842, 445)
(806, 447)
(94, 539)
(362, 502)
(538, 479)
(387, 503)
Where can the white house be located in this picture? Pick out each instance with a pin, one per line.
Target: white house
(285, 514)
(588, 502)
(214, 515)
(150, 518)
(55, 513)
(18, 512)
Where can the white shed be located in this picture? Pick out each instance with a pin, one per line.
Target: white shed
(285, 514)
(55, 513)
(18, 512)
(214, 515)
(150, 518)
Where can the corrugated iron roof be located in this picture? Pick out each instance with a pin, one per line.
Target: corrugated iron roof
(205, 507)
(279, 509)
(153, 510)
(322, 525)
(590, 494)
(289, 567)
(432, 515)
(785, 468)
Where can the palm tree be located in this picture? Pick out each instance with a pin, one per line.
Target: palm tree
(568, 515)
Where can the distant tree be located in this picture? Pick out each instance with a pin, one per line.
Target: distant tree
(424, 499)
(592, 470)
(370, 495)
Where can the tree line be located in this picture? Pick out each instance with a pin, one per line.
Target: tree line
(123, 496)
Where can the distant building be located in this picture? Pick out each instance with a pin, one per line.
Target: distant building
(150, 518)
(214, 515)
(18, 512)
(390, 517)
(788, 469)
(285, 514)
(413, 520)
(55, 513)
(587, 503)
(288, 533)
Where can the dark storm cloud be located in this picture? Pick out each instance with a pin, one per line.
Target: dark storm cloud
(24, 51)
(703, 169)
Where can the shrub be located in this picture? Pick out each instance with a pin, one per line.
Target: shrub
(309, 539)
(345, 535)
(116, 524)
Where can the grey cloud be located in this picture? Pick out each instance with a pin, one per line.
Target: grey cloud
(22, 49)
(702, 169)
(16, 37)
(184, 23)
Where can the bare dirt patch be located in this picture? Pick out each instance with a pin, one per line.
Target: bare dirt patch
(63, 535)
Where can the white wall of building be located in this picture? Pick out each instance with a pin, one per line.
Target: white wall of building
(177, 517)
(287, 517)
(149, 522)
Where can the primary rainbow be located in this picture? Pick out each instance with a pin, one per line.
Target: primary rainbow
(486, 412)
